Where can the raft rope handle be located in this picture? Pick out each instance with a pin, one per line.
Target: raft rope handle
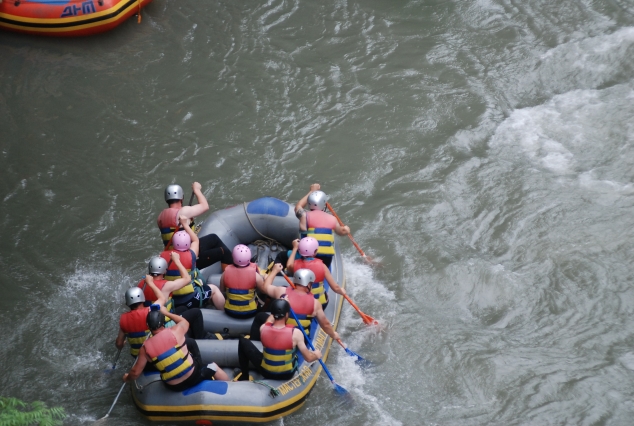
(141, 387)
(272, 391)
(271, 240)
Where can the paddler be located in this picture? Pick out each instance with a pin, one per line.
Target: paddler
(157, 267)
(304, 304)
(308, 248)
(196, 294)
(132, 324)
(168, 219)
(239, 282)
(212, 249)
(280, 343)
(319, 224)
(176, 356)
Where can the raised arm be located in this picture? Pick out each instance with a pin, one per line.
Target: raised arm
(137, 368)
(333, 284)
(267, 286)
(323, 321)
(191, 212)
(195, 246)
(179, 283)
(342, 230)
(182, 325)
(160, 297)
(120, 340)
(301, 203)
(290, 263)
(298, 340)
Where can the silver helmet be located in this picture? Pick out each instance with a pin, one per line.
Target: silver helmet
(173, 192)
(157, 265)
(134, 295)
(317, 200)
(304, 277)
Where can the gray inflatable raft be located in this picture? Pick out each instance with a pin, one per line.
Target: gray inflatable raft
(268, 226)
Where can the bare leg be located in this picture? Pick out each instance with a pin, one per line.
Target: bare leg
(217, 297)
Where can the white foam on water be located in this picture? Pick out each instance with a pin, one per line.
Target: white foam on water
(573, 134)
(627, 360)
(361, 287)
(607, 192)
(582, 64)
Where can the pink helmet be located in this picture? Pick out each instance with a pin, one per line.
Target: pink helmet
(308, 246)
(181, 241)
(241, 255)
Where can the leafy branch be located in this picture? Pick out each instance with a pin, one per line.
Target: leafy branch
(14, 412)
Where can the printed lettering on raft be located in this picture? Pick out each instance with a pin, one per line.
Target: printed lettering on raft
(304, 374)
(320, 339)
(86, 8)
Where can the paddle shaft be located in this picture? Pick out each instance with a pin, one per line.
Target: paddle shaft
(116, 359)
(310, 344)
(366, 318)
(116, 398)
(288, 280)
(341, 224)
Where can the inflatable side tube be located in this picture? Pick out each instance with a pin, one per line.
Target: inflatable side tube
(222, 352)
(268, 216)
(219, 322)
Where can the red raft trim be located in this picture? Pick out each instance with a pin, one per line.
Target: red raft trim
(66, 18)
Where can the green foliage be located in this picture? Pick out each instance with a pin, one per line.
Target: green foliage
(14, 412)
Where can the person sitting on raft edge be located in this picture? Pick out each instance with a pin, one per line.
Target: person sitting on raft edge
(157, 267)
(319, 224)
(179, 372)
(277, 336)
(212, 249)
(239, 282)
(304, 304)
(133, 324)
(307, 248)
(196, 294)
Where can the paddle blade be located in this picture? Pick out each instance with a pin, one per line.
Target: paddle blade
(360, 361)
(339, 389)
(369, 320)
(354, 354)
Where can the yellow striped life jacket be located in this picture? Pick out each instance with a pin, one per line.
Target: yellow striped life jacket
(189, 262)
(133, 324)
(303, 304)
(278, 355)
(240, 284)
(167, 357)
(320, 226)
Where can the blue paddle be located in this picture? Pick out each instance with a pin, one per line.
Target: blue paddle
(114, 364)
(338, 388)
(350, 352)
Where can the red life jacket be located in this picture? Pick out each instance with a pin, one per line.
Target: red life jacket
(240, 284)
(319, 219)
(168, 224)
(303, 304)
(172, 360)
(151, 297)
(317, 266)
(133, 324)
(320, 225)
(189, 262)
(187, 259)
(279, 357)
(147, 291)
